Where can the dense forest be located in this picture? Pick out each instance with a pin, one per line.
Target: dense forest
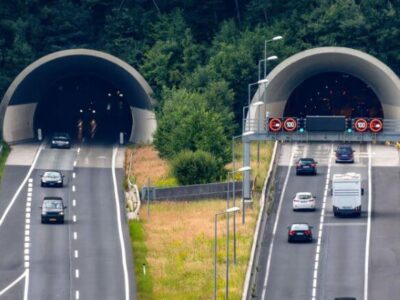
(195, 51)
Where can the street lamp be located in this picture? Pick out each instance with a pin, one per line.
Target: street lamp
(276, 38)
(264, 61)
(227, 212)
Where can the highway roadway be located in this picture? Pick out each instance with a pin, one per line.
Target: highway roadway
(350, 257)
(88, 257)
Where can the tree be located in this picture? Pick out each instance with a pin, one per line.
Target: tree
(186, 122)
(196, 167)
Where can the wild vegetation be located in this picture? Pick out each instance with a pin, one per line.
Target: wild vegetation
(197, 54)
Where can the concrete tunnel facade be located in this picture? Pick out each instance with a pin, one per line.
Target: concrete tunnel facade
(19, 104)
(290, 73)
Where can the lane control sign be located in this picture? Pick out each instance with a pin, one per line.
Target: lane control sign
(360, 125)
(290, 124)
(275, 124)
(376, 125)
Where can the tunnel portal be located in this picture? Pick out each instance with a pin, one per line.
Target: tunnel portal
(333, 93)
(85, 106)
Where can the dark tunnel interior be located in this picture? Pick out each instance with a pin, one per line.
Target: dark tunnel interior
(85, 106)
(333, 93)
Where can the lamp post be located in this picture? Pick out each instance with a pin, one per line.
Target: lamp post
(276, 38)
(264, 61)
(258, 104)
(227, 212)
(232, 174)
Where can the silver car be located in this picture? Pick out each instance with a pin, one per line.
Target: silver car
(52, 178)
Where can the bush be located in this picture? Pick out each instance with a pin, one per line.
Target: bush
(195, 167)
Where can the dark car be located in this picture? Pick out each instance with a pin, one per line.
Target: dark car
(61, 140)
(52, 178)
(300, 232)
(52, 210)
(306, 166)
(344, 153)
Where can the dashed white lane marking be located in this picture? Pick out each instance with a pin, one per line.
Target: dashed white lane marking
(78, 150)
(73, 175)
(75, 162)
(76, 253)
(264, 290)
(73, 188)
(30, 180)
(76, 295)
(368, 238)
(74, 202)
(75, 235)
(74, 218)
(321, 228)
(76, 273)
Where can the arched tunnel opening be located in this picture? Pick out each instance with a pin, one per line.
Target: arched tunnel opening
(86, 107)
(333, 93)
(90, 95)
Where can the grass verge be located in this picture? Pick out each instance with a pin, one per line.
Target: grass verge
(176, 242)
(3, 159)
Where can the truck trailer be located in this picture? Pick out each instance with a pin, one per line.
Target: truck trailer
(346, 194)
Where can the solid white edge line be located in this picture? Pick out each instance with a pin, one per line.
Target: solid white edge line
(2, 292)
(264, 290)
(121, 237)
(21, 187)
(366, 264)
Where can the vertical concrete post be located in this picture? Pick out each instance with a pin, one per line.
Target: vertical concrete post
(246, 178)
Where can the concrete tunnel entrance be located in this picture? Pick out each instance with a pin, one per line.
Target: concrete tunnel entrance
(89, 94)
(329, 81)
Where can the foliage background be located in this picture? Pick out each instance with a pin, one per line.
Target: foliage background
(205, 50)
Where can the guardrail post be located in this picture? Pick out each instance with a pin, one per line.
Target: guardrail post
(246, 178)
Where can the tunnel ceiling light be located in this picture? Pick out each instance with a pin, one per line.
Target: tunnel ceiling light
(121, 95)
(93, 111)
(109, 94)
(81, 110)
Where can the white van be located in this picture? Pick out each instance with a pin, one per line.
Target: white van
(346, 194)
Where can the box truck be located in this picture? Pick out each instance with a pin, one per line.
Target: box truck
(346, 194)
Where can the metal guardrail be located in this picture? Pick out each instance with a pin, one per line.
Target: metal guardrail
(261, 221)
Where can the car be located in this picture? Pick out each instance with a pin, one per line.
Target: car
(306, 166)
(344, 153)
(300, 232)
(61, 140)
(304, 200)
(52, 178)
(52, 210)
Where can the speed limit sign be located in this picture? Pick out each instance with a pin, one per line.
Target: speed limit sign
(376, 125)
(275, 124)
(360, 125)
(290, 124)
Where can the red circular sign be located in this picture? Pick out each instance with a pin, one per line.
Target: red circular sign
(376, 125)
(360, 125)
(275, 124)
(290, 124)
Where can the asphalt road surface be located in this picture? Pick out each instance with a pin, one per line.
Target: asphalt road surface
(334, 264)
(89, 256)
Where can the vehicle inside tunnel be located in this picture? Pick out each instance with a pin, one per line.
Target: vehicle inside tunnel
(333, 93)
(85, 106)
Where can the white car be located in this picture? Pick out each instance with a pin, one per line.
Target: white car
(304, 200)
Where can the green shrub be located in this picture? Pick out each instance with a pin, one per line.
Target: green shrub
(195, 167)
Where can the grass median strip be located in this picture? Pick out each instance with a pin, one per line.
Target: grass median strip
(176, 242)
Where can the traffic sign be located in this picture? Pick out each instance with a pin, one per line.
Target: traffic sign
(361, 125)
(290, 124)
(376, 125)
(275, 124)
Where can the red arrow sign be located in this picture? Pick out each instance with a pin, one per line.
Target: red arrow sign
(275, 124)
(376, 125)
(360, 125)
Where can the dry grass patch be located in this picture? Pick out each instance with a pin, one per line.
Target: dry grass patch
(146, 163)
(179, 238)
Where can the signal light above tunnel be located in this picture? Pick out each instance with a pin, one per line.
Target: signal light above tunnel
(349, 125)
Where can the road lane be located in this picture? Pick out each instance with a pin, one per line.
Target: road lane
(341, 271)
(290, 274)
